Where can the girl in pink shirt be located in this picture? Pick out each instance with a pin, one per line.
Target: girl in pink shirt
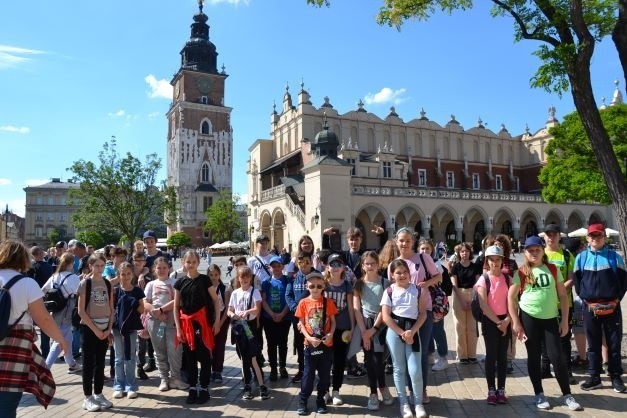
(495, 324)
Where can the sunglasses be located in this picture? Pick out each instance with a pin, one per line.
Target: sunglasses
(315, 286)
(336, 265)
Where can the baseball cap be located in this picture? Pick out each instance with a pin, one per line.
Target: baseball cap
(494, 250)
(314, 274)
(596, 228)
(149, 234)
(262, 237)
(533, 240)
(553, 228)
(72, 243)
(335, 257)
(61, 244)
(275, 259)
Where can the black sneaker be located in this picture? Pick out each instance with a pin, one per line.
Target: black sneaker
(150, 366)
(618, 385)
(203, 396)
(510, 367)
(389, 369)
(273, 375)
(263, 392)
(571, 379)
(297, 377)
(248, 393)
(464, 361)
(141, 374)
(473, 360)
(302, 409)
(192, 397)
(593, 382)
(321, 408)
(283, 373)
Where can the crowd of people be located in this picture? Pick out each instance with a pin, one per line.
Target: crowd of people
(389, 303)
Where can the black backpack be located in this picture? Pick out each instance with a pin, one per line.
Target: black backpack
(54, 300)
(475, 306)
(5, 307)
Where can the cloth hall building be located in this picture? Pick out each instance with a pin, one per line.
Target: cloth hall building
(322, 169)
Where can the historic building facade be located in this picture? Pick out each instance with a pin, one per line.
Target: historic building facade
(11, 226)
(322, 169)
(200, 136)
(46, 209)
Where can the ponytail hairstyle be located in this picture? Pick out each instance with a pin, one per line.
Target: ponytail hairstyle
(359, 281)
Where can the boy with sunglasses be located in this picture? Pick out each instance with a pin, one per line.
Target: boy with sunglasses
(316, 314)
(601, 282)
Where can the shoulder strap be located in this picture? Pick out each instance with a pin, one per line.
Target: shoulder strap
(486, 277)
(324, 314)
(553, 270)
(9, 285)
(87, 292)
(422, 261)
(566, 260)
(263, 266)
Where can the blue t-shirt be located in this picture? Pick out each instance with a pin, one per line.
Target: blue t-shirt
(273, 292)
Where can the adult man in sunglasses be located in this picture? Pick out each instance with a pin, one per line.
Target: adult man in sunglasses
(601, 282)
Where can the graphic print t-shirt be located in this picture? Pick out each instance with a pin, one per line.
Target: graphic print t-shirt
(311, 311)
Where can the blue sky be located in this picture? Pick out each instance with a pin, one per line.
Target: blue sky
(72, 74)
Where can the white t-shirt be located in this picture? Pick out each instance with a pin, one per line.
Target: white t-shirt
(24, 292)
(258, 269)
(70, 285)
(160, 292)
(240, 300)
(404, 301)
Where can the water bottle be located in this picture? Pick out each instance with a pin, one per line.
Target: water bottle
(161, 329)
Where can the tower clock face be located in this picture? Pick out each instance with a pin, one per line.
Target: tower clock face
(204, 85)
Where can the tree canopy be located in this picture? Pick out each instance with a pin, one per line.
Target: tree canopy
(572, 171)
(91, 237)
(179, 239)
(119, 194)
(222, 218)
(567, 32)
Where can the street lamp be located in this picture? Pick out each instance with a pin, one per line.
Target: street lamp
(316, 217)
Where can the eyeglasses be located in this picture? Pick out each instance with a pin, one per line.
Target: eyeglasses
(596, 236)
(315, 286)
(336, 265)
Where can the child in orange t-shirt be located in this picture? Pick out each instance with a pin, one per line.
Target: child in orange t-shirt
(317, 323)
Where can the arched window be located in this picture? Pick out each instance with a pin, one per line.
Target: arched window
(204, 173)
(204, 128)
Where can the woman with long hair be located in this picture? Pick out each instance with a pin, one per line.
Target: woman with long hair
(535, 318)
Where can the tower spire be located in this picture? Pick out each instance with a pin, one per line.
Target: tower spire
(199, 54)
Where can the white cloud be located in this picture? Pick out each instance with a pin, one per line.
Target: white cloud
(16, 129)
(17, 206)
(386, 95)
(36, 182)
(119, 114)
(12, 56)
(159, 89)
(154, 115)
(4, 182)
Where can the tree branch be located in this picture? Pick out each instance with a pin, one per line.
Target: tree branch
(535, 35)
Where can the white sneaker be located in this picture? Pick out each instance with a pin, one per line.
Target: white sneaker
(373, 403)
(327, 398)
(387, 396)
(163, 386)
(178, 384)
(406, 411)
(118, 394)
(411, 399)
(131, 394)
(89, 404)
(440, 364)
(76, 368)
(102, 401)
(420, 412)
(337, 400)
(571, 403)
(542, 402)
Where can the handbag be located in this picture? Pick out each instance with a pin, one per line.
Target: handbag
(602, 308)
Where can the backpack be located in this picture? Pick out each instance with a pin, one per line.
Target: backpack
(447, 283)
(54, 300)
(475, 306)
(5, 307)
(76, 319)
(439, 299)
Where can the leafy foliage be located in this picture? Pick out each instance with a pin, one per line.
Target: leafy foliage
(222, 218)
(54, 236)
(572, 171)
(179, 239)
(119, 194)
(91, 237)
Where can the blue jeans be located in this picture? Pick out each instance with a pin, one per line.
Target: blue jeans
(405, 362)
(125, 380)
(320, 363)
(9, 402)
(438, 334)
(425, 335)
(55, 349)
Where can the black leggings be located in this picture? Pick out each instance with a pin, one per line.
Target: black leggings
(496, 345)
(340, 348)
(547, 330)
(94, 352)
(200, 355)
(375, 367)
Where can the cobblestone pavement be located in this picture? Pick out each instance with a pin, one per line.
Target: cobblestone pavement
(459, 391)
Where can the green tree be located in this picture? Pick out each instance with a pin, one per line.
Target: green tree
(572, 171)
(119, 195)
(54, 236)
(91, 237)
(568, 32)
(222, 219)
(179, 239)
